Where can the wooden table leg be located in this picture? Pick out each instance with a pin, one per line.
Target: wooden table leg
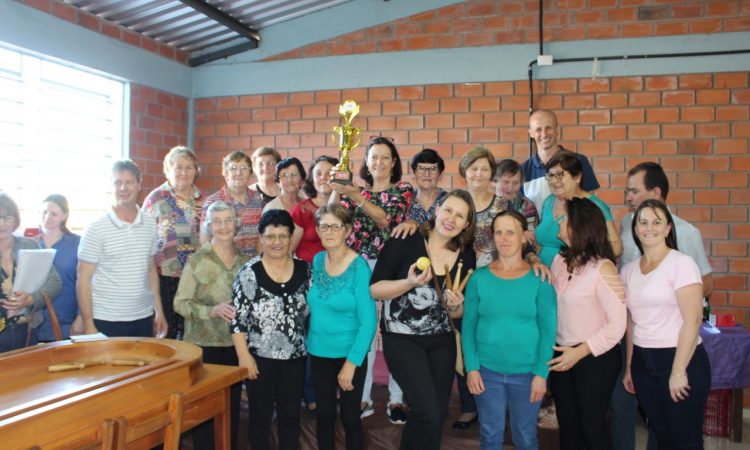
(222, 423)
(735, 415)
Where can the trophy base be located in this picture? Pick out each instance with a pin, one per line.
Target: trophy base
(342, 177)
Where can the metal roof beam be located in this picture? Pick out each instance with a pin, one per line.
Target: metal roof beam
(221, 54)
(224, 19)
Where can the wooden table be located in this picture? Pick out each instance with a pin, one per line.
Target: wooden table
(66, 410)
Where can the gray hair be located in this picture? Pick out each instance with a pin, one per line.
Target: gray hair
(177, 151)
(215, 207)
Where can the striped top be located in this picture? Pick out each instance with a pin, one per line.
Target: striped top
(121, 252)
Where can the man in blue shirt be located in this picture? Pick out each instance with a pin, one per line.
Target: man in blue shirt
(544, 130)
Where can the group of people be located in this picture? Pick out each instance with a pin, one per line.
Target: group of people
(529, 287)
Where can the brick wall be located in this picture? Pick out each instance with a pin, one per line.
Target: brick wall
(158, 122)
(70, 13)
(489, 22)
(697, 126)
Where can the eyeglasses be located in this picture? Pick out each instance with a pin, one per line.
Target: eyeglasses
(559, 175)
(275, 237)
(387, 138)
(7, 219)
(289, 175)
(239, 169)
(324, 227)
(266, 163)
(427, 169)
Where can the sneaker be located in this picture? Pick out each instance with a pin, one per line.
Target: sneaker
(367, 411)
(396, 414)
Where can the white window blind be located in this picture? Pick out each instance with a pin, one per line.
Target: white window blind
(61, 128)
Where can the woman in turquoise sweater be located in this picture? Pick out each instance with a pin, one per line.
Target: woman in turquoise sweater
(564, 172)
(509, 329)
(342, 327)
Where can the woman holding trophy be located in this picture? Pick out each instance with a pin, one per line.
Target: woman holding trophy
(375, 210)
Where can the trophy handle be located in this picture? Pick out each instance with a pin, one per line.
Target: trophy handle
(358, 133)
(336, 136)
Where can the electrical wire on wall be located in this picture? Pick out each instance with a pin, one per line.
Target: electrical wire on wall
(597, 59)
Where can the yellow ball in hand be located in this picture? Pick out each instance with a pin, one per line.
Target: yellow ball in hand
(423, 263)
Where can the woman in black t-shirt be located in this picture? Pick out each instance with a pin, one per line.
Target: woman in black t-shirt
(418, 342)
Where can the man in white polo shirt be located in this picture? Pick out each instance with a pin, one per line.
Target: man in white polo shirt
(118, 285)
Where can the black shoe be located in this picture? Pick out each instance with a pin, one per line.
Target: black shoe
(465, 425)
(396, 414)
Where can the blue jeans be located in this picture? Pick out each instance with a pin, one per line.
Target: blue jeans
(678, 425)
(133, 328)
(503, 391)
(622, 411)
(13, 337)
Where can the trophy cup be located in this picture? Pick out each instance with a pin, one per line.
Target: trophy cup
(346, 137)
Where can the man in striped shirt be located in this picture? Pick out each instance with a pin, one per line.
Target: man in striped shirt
(118, 285)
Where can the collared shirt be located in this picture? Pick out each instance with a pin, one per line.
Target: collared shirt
(178, 225)
(205, 283)
(249, 214)
(535, 186)
(420, 215)
(121, 252)
(689, 242)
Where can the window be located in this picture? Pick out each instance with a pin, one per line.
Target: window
(61, 128)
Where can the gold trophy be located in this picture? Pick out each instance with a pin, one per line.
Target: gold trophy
(346, 137)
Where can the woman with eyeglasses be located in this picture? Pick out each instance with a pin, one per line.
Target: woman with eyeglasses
(426, 170)
(383, 204)
(247, 203)
(418, 340)
(667, 367)
(591, 319)
(264, 160)
(342, 327)
(289, 176)
(204, 300)
(269, 331)
(19, 310)
(564, 173)
(176, 205)
(305, 241)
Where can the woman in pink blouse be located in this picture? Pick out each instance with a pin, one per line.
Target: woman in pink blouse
(668, 369)
(591, 318)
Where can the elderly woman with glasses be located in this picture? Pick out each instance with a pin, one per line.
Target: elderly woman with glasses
(19, 310)
(289, 176)
(564, 173)
(176, 206)
(247, 203)
(269, 332)
(342, 327)
(264, 161)
(204, 299)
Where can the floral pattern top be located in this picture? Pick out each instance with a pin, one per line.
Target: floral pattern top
(247, 237)
(274, 316)
(525, 207)
(484, 244)
(177, 225)
(367, 237)
(420, 215)
(205, 283)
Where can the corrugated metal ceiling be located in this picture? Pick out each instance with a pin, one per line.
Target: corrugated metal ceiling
(181, 26)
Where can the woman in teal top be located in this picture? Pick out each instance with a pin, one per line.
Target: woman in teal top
(509, 327)
(342, 327)
(564, 172)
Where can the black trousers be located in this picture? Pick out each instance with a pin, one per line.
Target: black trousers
(423, 366)
(279, 384)
(168, 289)
(203, 434)
(582, 397)
(678, 425)
(325, 383)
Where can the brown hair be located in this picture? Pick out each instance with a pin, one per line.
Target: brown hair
(466, 237)
(473, 156)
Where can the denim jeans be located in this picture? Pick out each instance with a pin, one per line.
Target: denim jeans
(13, 337)
(134, 328)
(511, 391)
(678, 425)
(622, 411)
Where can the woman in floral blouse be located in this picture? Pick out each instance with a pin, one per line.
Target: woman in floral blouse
(376, 210)
(269, 331)
(204, 299)
(176, 205)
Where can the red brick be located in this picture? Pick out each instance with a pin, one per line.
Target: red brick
(594, 117)
(276, 127)
(409, 122)
(251, 101)
(500, 119)
(712, 130)
(698, 114)
(643, 132)
(452, 136)
(729, 282)
(589, 85)
(644, 99)
(662, 115)
(626, 148)
(661, 147)
(731, 180)
(678, 98)
(740, 196)
(740, 300)
(678, 131)
(731, 80)
(741, 231)
(438, 91)
(712, 163)
(695, 81)
(713, 97)
(499, 88)
(410, 92)
(439, 121)
(628, 116)
(741, 129)
(312, 111)
(426, 137)
(719, 8)
(694, 147)
(705, 26)
(485, 104)
(632, 30)
(610, 133)
(383, 93)
(729, 146)
(381, 123)
(227, 103)
(562, 86)
(713, 231)
(732, 113)
(483, 135)
(300, 126)
(468, 120)
(454, 105)
(397, 107)
(514, 102)
(617, 100)
(296, 98)
(227, 129)
(661, 83)
(449, 41)
(575, 133)
(425, 106)
(579, 101)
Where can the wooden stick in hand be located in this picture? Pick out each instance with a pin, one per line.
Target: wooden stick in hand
(448, 282)
(466, 280)
(457, 281)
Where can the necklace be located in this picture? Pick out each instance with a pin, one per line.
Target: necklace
(279, 276)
